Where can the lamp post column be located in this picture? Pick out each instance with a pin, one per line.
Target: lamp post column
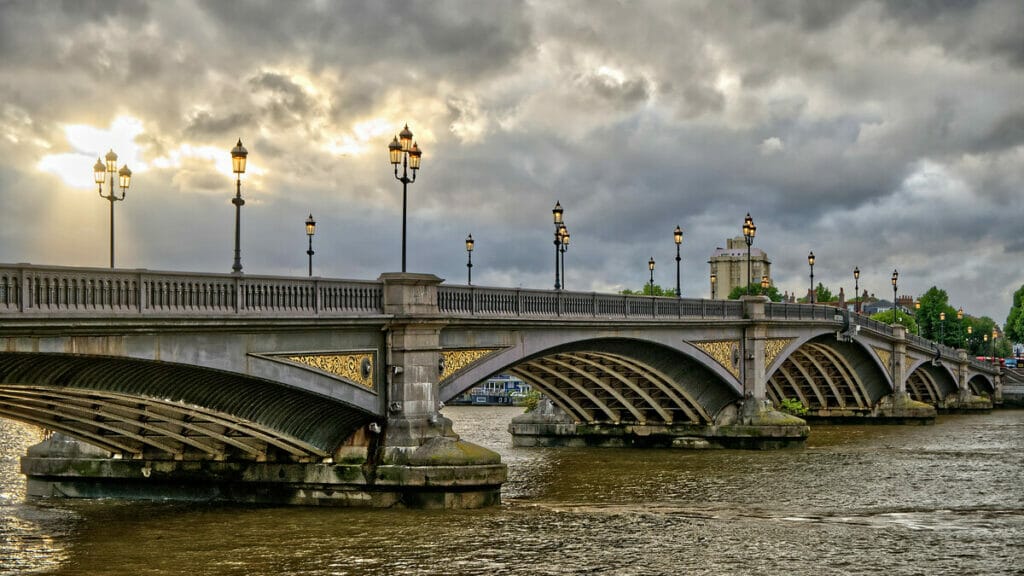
(310, 230)
(556, 214)
(650, 266)
(895, 279)
(469, 259)
(403, 150)
(238, 159)
(856, 288)
(749, 231)
(100, 171)
(678, 237)
(810, 260)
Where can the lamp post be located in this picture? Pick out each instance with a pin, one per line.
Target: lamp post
(714, 280)
(100, 171)
(764, 284)
(917, 315)
(942, 328)
(679, 240)
(469, 260)
(991, 347)
(970, 330)
(810, 260)
(749, 231)
(310, 230)
(650, 266)
(403, 150)
(960, 325)
(563, 233)
(556, 214)
(238, 156)
(856, 289)
(895, 278)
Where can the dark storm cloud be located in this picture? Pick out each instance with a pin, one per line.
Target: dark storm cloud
(884, 134)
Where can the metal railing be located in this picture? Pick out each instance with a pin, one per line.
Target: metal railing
(30, 289)
(527, 303)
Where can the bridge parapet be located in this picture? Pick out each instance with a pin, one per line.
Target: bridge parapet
(28, 289)
(521, 303)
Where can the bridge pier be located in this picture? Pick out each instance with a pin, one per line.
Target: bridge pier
(965, 400)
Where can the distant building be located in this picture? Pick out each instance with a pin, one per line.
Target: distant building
(729, 266)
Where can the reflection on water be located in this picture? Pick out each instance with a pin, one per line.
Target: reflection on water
(942, 499)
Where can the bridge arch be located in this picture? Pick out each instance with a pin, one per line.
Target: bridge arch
(981, 385)
(824, 373)
(614, 380)
(929, 383)
(141, 407)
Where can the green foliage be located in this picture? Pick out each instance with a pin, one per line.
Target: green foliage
(951, 331)
(793, 406)
(530, 401)
(646, 291)
(901, 318)
(755, 289)
(821, 294)
(1015, 320)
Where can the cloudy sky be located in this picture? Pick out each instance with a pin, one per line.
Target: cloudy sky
(877, 134)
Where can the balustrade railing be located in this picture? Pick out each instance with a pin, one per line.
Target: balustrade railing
(57, 290)
(526, 303)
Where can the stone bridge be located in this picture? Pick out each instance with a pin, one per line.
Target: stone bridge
(329, 391)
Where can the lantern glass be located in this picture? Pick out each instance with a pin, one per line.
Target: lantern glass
(111, 159)
(405, 137)
(650, 264)
(124, 177)
(810, 258)
(414, 156)
(395, 151)
(678, 235)
(238, 155)
(856, 273)
(310, 226)
(556, 213)
(469, 243)
(99, 171)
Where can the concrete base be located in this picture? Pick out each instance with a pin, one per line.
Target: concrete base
(892, 409)
(966, 404)
(752, 429)
(443, 473)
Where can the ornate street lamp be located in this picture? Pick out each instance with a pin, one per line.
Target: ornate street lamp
(917, 315)
(563, 232)
(403, 150)
(856, 289)
(238, 156)
(991, 347)
(960, 326)
(895, 278)
(469, 260)
(714, 280)
(764, 284)
(650, 266)
(679, 240)
(100, 171)
(810, 260)
(942, 328)
(556, 214)
(749, 231)
(310, 230)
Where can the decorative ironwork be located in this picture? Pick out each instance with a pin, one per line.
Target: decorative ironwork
(886, 357)
(357, 367)
(454, 360)
(773, 347)
(725, 352)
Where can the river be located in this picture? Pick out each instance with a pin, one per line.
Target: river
(892, 500)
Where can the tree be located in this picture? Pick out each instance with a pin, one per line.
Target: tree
(952, 331)
(755, 289)
(1015, 320)
(646, 291)
(821, 294)
(901, 318)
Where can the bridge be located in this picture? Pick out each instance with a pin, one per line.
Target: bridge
(314, 390)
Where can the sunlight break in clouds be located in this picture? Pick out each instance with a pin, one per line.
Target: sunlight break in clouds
(89, 143)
